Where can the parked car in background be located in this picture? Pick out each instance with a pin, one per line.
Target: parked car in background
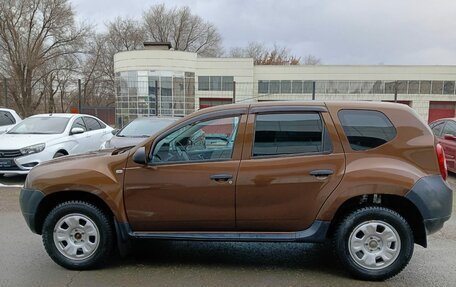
(445, 131)
(368, 176)
(8, 118)
(43, 137)
(136, 131)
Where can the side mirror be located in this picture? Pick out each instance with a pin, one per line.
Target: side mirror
(75, 131)
(449, 137)
(115, 131)
(139, 156)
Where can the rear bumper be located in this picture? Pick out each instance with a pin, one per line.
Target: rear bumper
(29, 200)
(434, 199)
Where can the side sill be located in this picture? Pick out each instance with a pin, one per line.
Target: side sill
(315, 233)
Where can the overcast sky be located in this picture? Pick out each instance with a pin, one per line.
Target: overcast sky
(338, 31)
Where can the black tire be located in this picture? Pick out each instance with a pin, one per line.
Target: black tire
(104, 238)
(59, 154)
(367, 216)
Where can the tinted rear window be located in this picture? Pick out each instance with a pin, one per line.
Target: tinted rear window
(366, 129)
(281, 134)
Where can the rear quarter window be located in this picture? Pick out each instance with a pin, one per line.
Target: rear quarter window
(366, 129)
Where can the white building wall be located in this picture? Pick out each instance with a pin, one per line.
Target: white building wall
(246, 76)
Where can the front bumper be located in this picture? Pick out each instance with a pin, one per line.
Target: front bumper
(29, 200)
(434, 199)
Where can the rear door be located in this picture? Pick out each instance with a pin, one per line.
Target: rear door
(96, 133)
(292, 160)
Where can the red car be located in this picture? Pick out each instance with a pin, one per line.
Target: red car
(445, 131)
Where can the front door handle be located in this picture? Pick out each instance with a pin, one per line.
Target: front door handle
(321, 172)
(221, 177)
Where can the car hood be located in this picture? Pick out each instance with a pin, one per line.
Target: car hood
(17, 141)
(119, 142)
(77, 172)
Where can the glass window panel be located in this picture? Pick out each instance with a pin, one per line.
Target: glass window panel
(210, 140)
(296, 87)
(227, 83)
(425, 87)
(448, 87)
(437, 87)
(285, 87)
(282, 134)
(366, 129)
(216, 83)
(413, 87)
(274, 87)
(203, 83)
(307, 87)
(263, 87)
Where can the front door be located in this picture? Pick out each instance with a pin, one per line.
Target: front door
(189, 183)
(291, 163)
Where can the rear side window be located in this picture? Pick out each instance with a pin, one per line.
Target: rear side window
(6, 118)
(282, 134)
(366, 129)
(92, 124)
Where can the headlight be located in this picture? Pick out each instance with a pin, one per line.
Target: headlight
(33, 149)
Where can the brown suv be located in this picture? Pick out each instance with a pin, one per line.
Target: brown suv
(369, 176)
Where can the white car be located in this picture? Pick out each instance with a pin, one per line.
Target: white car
(8, 118)
(43, 137)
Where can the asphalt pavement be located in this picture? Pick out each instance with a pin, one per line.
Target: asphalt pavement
(24, 262)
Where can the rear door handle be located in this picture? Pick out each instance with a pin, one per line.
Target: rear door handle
(321, 172)
(221, 177)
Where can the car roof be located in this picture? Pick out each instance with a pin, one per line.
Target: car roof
(154, 118)
(345, 104)
(59, 115)
(7, 110)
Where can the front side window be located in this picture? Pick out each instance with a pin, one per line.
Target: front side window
(92, 124)
(366, 129)
(282, 134)
(209, 140)
(79, 123)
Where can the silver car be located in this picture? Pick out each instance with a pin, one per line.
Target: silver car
(135, 132)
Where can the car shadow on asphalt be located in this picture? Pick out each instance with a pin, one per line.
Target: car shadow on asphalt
(293, 256)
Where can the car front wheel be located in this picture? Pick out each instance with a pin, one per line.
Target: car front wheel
(77, 235)
(374, 243)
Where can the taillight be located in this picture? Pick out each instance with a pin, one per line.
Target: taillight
(442, 161)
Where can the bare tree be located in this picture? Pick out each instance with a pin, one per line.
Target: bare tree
(312, 60)
(125, 34)
(34, 33)
(185, 31)
(263, 56)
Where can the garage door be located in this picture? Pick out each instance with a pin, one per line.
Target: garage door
(438, 110)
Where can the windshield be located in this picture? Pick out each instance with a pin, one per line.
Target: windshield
(41, 125)
(144, 127)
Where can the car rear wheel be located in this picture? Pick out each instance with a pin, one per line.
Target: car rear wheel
(78, 235)
(374, 243)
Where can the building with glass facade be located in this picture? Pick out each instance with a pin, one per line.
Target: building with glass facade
(161, 81)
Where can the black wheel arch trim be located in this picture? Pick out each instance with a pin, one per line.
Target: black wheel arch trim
(434, 199)
(29, 200)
